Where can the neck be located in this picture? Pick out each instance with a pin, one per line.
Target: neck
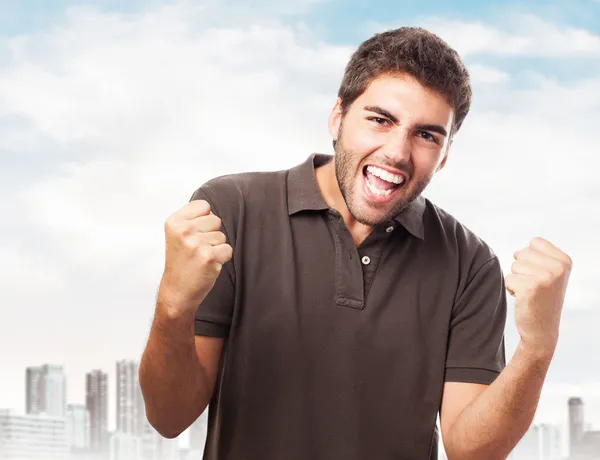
(330, 189)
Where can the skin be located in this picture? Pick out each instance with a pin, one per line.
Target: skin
(477, 421)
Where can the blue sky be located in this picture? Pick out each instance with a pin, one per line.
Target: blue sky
(109, 119)
(339, 21)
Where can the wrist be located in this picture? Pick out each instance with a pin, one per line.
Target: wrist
(537, 353)
(175, 306)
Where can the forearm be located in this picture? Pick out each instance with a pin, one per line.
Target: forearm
(495, 421)
(172, 379)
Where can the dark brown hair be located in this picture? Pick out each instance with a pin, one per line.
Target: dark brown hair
(413, 51)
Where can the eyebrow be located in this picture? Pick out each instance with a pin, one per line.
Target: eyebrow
(422, 127)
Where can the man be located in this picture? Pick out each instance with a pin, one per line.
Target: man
(331, 312)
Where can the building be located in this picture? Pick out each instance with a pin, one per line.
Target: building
(33, 389)
(78, 427)
(131, 413)
(97, 405)
(541, 442)
(32, 437)
(125, 446)
(584, 443)
(590, 446)
(156, 447)
(46, 390)
(576, 423)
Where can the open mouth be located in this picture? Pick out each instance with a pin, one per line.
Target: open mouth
(381, 185)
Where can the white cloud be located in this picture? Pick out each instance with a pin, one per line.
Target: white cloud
(520, 35)
(481, 74)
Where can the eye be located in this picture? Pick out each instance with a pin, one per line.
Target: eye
(428, 137)
(379, 120)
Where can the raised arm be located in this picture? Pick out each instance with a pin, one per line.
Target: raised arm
(178, 370)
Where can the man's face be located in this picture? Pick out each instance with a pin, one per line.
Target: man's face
(391, 142)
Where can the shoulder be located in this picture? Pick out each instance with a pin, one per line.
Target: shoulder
(233, 189)
(234, 197)
(470, 248)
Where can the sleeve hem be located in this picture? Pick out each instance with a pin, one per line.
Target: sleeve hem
(470, 375)
(210, 329)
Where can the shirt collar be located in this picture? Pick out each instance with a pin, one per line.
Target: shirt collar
(303, 194)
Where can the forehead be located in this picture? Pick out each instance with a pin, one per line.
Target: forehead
(404, 95)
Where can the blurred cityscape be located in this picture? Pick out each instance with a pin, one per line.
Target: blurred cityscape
(51, 429)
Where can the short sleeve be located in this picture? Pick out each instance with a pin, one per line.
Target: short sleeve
(213, 316)
(476, 349)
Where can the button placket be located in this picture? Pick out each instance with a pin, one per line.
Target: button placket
(371, 252)
(349, 274)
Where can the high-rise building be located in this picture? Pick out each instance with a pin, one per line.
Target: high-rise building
(33, 437)
(584, 443)
(78, 427)
(97, 406)
(576, 423)
(33, 388)
(125, 446)
(541, 442)
(46, 390)
(156, 447)
(130, 405)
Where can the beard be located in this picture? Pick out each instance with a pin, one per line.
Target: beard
(346, 165)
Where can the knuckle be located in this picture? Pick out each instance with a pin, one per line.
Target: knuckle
(170, 223)
(189, 243)
(206, 254)
(557, 268)
(201, 205)
(546, 279)
(221, 238)
(217, 221)
(536, 240)
(568, 261)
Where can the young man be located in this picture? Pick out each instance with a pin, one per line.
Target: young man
(331, 312)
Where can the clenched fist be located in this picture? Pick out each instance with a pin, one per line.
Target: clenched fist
(538, 281)
(196, 250)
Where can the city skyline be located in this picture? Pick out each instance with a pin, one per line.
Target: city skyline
(129, 412)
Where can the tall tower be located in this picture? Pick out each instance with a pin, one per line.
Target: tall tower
(46, 390)
(130, 406)
(576, 423)
(33, 390)
(97, 405)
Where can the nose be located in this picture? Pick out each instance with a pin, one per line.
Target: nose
(398, 146)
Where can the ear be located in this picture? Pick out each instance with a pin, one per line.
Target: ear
(443, 163)
(335, 118)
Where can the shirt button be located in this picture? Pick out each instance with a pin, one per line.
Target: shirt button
(366, 260)
(389, 229)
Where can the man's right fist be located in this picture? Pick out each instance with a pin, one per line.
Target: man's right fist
(196, 250)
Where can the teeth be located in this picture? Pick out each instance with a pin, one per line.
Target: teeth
(383, 174)
(377, 191)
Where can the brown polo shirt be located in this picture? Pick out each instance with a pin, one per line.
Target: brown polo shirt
(334, 351)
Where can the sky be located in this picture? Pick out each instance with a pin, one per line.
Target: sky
(111, 115)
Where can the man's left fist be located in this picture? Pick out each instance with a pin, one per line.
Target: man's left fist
(538, 282)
